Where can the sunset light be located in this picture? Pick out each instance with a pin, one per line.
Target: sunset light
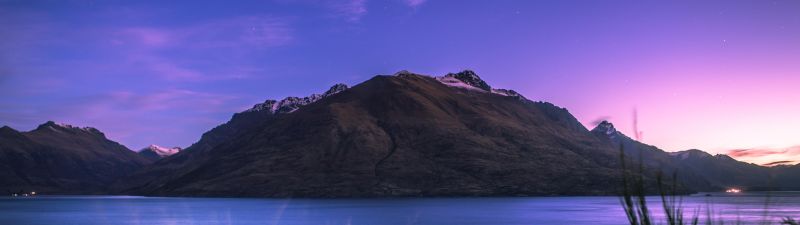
(395, 112)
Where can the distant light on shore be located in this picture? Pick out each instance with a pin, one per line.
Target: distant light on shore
(733, 190)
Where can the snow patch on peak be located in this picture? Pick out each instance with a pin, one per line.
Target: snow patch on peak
(335, 89)
(467, 79)
(162, 151)
(55, 126)
(291, 104)
(454, 82)
(510, 93)
(605, 127)
(470, 78)
(403, 73)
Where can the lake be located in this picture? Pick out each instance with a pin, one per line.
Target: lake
(86, 210)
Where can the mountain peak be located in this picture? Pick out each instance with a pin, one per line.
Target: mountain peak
(158, 148)
(8, 130)
(49, 123)
(156, 152)
(467, 79)
(605, 127)
(691, 153)
(470, 78)
(336, 88)
(403, 73)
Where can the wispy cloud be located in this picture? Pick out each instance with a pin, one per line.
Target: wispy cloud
(199, 51)
(758, 152)
(352, 10)
(599, 120)
(414, 3)
(783, 162)
(768, 156)
(349, 10)
(239, 32)
(149, 37)
(167, 99)
(145, 46)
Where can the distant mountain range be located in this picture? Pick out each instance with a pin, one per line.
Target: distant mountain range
(393, 135)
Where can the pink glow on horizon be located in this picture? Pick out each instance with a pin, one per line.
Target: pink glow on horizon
(716, 112)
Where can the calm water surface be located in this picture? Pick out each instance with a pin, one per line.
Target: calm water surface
(87, 210)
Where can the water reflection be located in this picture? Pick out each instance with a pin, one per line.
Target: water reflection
(747, 207)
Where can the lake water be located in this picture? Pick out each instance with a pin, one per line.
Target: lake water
(87, 210)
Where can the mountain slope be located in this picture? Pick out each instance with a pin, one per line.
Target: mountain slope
(62, 159)
(240, 124)
(402, 135)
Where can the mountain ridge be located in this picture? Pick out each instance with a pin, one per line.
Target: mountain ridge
(707, 172)
(404, 134)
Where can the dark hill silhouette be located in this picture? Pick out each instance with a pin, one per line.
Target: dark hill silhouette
(62, 159)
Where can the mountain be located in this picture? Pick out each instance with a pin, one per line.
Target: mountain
(62, 159)
(695, 169)
(785, 177)
(155, 152)
(392, 135)
(722, 170)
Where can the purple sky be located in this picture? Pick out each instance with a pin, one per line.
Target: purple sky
(716, 76)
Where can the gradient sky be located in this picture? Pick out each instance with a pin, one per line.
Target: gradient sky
(721, 76)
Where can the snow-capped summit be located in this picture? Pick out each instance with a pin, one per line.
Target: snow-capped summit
(607, 129)
(469, 80)
(403, 73)
(336, 88)
(290, 104)
(465, 79)
(63, 126)
(156, 152)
